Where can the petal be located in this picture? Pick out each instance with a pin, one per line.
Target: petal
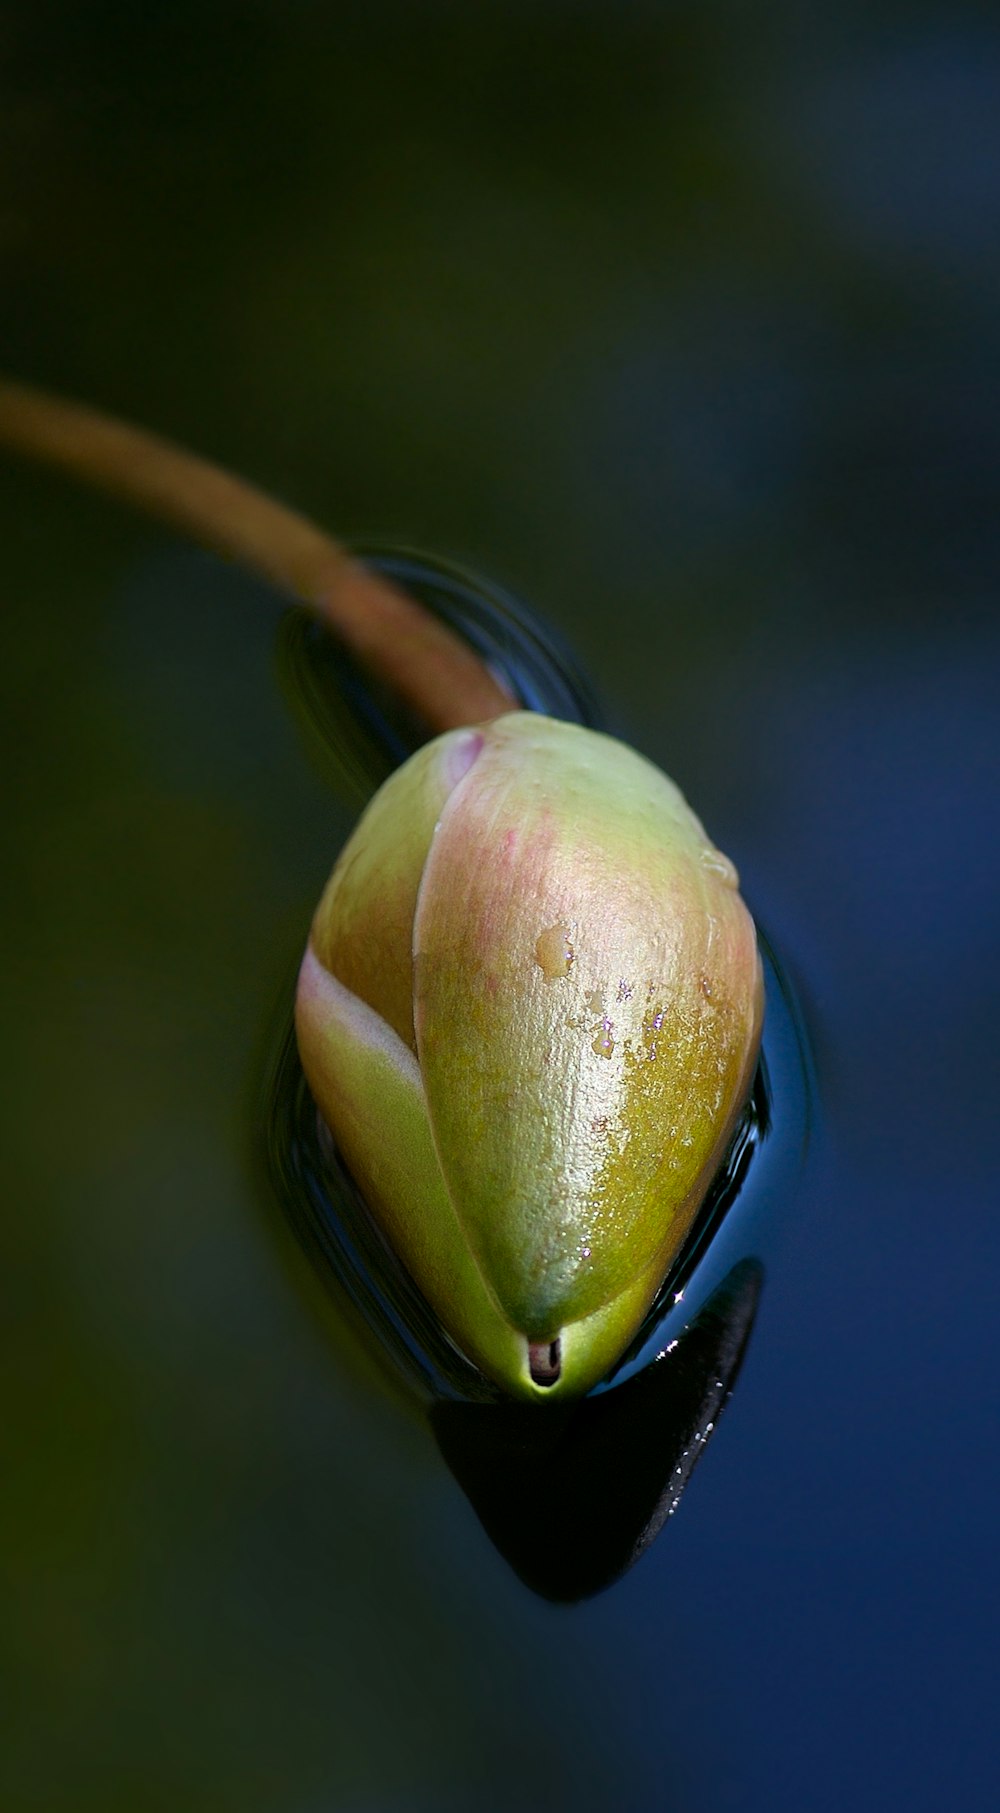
(363, 928)
(367, 1086)
(587, 1009)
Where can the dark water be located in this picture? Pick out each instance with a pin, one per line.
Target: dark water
(685, 327)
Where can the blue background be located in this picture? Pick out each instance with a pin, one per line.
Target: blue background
(683, 322)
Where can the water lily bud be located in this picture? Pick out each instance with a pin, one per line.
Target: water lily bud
(529, 1012)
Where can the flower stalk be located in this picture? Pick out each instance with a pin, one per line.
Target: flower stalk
(443, 681)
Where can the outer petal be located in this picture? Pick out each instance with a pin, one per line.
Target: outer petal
(367, 1086)
(363, 928)
(587, 1009)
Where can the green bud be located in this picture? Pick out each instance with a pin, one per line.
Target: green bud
(529, 1012)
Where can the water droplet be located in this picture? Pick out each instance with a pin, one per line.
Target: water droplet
(545, 1361)
(604, 1043)
(651, 1025)
(713, 860)
(554, 952)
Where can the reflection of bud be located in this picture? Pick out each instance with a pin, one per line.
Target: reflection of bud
(530, 1011)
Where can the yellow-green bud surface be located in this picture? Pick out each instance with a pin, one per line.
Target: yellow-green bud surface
(529, 1012)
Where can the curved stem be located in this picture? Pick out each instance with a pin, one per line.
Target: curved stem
(393, 636)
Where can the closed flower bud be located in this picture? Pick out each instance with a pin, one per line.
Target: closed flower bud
(529, 1012)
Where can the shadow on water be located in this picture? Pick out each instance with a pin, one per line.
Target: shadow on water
(571, 1495)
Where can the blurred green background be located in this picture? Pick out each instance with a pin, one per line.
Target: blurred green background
(683, 323)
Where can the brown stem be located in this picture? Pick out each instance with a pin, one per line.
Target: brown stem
(423, 661)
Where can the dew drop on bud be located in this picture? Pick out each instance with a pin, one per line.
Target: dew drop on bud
(554, 953)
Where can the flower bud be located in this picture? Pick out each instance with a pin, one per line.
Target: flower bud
(529, 1012)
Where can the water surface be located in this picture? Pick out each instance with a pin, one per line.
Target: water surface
(689, 336)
